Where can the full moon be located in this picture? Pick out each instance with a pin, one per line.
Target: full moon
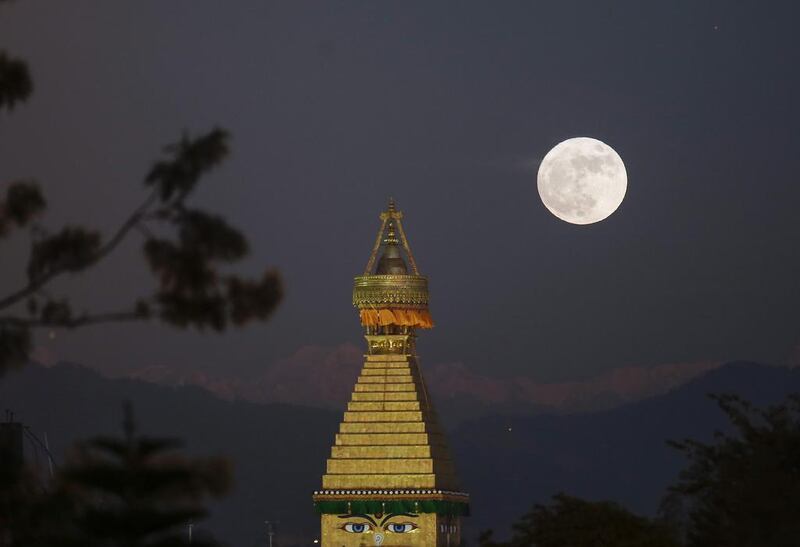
(582, 180)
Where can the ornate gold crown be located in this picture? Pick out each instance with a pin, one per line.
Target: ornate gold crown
(388, 294)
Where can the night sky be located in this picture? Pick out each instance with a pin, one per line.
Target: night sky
(448, 107)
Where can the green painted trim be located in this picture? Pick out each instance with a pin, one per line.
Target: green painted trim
(440, 507)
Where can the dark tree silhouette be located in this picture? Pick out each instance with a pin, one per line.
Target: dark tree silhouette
(573, 522)
(133, 491)
(743, 490)
(185, 255)
(15, 79)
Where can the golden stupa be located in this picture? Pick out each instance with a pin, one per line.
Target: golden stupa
(390, 479)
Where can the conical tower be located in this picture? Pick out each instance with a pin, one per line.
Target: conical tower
(390, 479)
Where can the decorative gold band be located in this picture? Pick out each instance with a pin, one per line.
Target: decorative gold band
(367, 495)
(395, 291)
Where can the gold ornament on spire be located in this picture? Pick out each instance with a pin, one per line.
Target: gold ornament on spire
(388, 296)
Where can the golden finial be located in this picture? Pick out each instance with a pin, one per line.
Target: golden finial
(393, 227)
(391, 235)
(391, 211)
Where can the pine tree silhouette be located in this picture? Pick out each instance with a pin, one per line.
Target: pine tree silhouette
(129, 491)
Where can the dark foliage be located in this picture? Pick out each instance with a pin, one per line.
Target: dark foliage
(185, 257)
(253, 300)
(133, 491)
(190, 291)
(176, 177)
(16, 84)
(743, 490)
(573, 522)
(211, 236)
(22, 202)
(276, 447)
(15, 344)
(70, 250)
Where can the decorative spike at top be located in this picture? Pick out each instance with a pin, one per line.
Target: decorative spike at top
(390, 299)
(390, 218)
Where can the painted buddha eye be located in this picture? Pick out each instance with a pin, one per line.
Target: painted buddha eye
(403, 528)
(356, 527)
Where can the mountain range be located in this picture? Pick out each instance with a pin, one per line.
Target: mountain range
(323, 376)
(507, 459)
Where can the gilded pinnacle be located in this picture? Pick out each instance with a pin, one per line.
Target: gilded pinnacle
(391, 235)
(391, 211)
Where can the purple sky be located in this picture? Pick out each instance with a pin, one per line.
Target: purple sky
(448, 107)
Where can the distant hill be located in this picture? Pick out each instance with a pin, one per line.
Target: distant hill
(507, 462)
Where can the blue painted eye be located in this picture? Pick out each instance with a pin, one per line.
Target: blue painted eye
(402, 528)
(356, 527)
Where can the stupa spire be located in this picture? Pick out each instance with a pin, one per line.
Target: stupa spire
(390, 479)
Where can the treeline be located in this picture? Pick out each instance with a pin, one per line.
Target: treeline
(741, 490)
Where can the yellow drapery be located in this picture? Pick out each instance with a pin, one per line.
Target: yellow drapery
(394, 316)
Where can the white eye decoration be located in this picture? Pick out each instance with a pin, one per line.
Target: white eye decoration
(402, 528)
(356, 527)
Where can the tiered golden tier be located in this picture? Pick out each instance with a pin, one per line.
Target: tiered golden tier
(390, 480)
(390, 439)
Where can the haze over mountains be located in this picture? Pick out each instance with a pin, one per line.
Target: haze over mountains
(507, 460)
(323, 377)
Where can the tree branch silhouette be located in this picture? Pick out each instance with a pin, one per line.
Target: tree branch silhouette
(190, 290)
(34, 285)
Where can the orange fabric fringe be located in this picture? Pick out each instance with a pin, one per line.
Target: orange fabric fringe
(394, 316)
